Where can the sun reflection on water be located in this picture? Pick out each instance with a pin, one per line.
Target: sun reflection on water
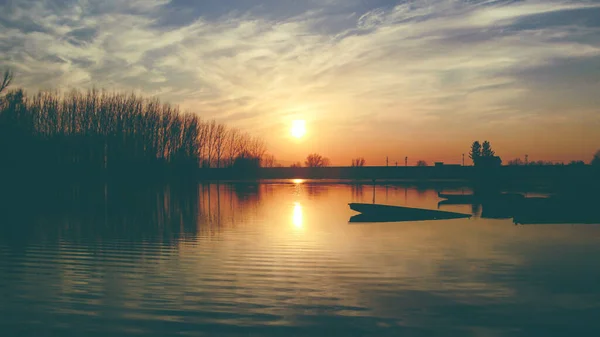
(297, 215)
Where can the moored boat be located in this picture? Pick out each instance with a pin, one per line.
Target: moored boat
(476, 198)
(377, 212)
(459, 198)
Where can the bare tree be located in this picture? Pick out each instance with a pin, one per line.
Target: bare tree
(421, 163)
(316, 160)
(212, 129)
(257, 148)
(6, 80)
(296, 164)
(358, 162)
(541, 163)
(232, 145)
(242, 145)
(99, 131)
(220, 138)
(269, 161)
(203, 143)
(516, 162)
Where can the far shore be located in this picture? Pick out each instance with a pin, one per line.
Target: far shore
(410, 173)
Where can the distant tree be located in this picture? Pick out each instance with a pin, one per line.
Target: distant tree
(6, 80)
(475, 152)
(233, 141)
(296, 164)
(577, 163)
(257, 148)
(358, 162)
(268, 160)
(596, 160)
(246, 161)
(542, 163)
(316, 160)
(486, 150)
(421, 163)
(115, 135)
(516, 162)
(220, 135)
(483, 155)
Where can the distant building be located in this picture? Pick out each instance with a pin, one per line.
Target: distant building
(487, 162)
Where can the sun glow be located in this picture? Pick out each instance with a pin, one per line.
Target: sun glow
(298, 128)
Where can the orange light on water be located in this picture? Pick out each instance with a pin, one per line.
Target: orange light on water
(297, 217)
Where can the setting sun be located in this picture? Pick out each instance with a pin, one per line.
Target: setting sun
(298, 128)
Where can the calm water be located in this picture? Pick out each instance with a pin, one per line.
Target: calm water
(281, 259)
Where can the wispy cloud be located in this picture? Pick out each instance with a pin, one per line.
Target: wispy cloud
(432, 66)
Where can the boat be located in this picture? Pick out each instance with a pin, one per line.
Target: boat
(458, 197)
(388, 213)
(455, 199)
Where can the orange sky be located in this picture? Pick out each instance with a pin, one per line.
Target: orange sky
(576, 142)
(371, 78)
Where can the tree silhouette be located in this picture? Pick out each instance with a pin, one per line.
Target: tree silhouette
(358, 162)
(98, 135)
(483, 155)
(245, 161)
(543, 163)
(296, 164)
(421, 163)
(268, 161)
(316, 160)
(596, 160)
(475, 152)
(486, 150)
(6, 80)
(516, 162)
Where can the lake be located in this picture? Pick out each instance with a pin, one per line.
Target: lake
(282, 259)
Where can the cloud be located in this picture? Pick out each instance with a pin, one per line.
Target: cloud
(419, 63)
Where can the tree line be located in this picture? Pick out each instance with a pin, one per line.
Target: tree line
(116, 134)
(482, 155)
(520, 162)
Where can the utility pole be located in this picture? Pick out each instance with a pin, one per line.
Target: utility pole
(405, 161)
(463, 159)
(526, 159)
(386, 161)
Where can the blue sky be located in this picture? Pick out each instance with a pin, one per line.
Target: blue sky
(419, 78)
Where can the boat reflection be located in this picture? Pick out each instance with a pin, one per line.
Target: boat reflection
(532, 210)
(557, 210)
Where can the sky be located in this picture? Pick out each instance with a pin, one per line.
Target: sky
(420, 79)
